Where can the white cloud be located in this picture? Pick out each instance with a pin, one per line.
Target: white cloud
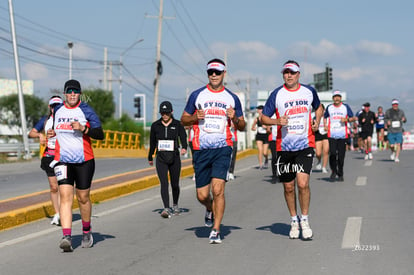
(250, 50)
(377, 48)
(35, 71)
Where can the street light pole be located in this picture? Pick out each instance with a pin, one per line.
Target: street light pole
(120, 73)
(70, 46)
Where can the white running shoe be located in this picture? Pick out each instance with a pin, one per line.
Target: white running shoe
(324, 170)
(369, 155)
(231, 176)
(294, 230)
(318, 166)
(214, 237)
(306, 230)
(397, 160)
(392, 157)
(366, 157)
(56, 219)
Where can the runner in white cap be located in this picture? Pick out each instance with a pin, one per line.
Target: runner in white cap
(394, 119)
(292, 103)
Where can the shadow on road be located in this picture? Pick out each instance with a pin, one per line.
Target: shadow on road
(276, 228)
(204, 232)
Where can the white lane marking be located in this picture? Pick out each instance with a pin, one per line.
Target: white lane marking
(29, 236)
(361, 181)
(368, 163)
(352, 232)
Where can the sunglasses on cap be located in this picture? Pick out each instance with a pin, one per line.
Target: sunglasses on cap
(290, 72)
(71, 90)
(211, 72)
(53, 105)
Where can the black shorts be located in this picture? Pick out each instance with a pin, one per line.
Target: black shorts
(79, 173)
(288, 163)
(44, 164)
(365, 134)
(263, 137)
(319, 136)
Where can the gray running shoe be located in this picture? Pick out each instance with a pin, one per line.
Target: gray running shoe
(87, 240)
(176, 210)
(66, 243)
(166, 213)
(214, 237)
(209, 219)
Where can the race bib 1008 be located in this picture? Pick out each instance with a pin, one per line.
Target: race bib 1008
(214, 125)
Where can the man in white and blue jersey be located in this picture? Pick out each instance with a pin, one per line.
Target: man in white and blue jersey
(337, 115)
(292, 103)
(210, 110)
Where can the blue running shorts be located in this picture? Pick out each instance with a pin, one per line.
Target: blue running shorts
(211, 163)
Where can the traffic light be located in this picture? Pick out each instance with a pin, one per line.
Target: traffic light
(329, 79)
(137, 105)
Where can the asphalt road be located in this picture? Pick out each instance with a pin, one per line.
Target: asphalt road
(22, 178)
(361, 226)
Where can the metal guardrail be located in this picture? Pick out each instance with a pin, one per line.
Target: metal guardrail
(17, 149)
(112, 140)
(118, 140)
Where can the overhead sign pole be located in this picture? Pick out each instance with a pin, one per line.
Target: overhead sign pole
(27, 154)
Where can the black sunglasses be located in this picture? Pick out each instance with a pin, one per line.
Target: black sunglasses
(69, 91)
(211, 72)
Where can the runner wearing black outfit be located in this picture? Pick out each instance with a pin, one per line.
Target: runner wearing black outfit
(164, 137)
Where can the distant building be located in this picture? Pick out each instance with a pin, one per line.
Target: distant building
(9, 87)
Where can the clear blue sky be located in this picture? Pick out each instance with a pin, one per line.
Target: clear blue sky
(368, 43)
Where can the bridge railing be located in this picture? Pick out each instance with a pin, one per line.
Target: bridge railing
(113, 140)
(118, 140)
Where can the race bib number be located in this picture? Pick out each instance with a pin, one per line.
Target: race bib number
(214, 125)
(51, 143)
(396, 124)
(296, 126)
(61, 172)
(381, 122)
(165, 145)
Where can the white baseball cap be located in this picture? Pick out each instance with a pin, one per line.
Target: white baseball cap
(335, 93)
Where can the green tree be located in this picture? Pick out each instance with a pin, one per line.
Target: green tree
(35, 108)
(101, 101)
(126, 124)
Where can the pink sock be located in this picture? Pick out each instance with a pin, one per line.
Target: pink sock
(67, 231)
(86, 226)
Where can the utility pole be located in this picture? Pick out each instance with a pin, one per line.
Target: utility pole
(70, 46)
(27, 154)
(158, 64)
(105, 80)
(120, 74)
(248, 105)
